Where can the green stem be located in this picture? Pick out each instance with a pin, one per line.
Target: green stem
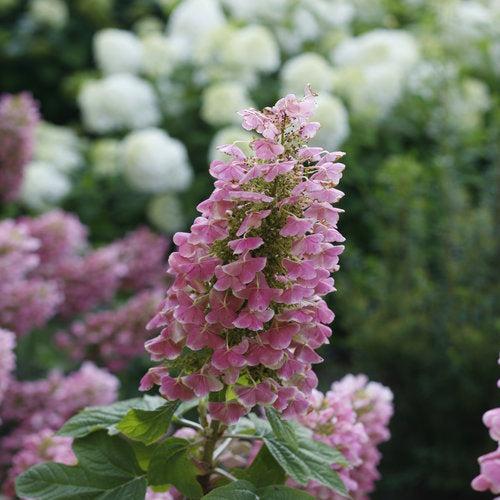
(212, 436)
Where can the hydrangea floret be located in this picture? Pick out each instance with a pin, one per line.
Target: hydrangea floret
(244, 315)
(489, 476)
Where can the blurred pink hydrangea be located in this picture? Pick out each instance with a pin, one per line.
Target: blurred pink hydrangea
(143, 253)
(352, 417)
(46, 268)
(489, 476)
(90, 280)
(61, 236)
(42, 446)
(7, 359)
(112, 337)
(26, 301)
(245, 307)
(38, 406)
(18, 119)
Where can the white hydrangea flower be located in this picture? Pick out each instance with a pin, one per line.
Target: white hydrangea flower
(494, 54)
(44, 186)
(165, 213)
(371, 70)
(149, 25)
(469, 28)
(118, 102)
(301, 27)
(252, 47)
(59, 146)
(159, 55)
(191, 20)
(117, 51)
(379, 46)
(429, 77)
(104, 157)
(465, 22)
(52, 13)
(222, 101)
(229, 135)
(332, 13)
(370, 11)
(464, 106)
(309, 68)
(334, 119)
(273, 11)
(154, 162)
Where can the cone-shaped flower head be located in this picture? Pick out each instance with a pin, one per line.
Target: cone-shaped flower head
(244, 314)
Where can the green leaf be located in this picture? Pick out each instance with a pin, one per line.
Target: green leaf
(170, 464)
(97, 418)
(280, 492)
(307, 462)
(106, 470)
(282, 430)
(264, 471)
(307, 459)
(238, 490)
(143, 453)
(147, 426)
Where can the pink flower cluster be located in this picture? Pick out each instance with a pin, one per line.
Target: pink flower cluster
(41, 446)
(143, 253)
(112, 337)
(7, 359)
(31, 409)
(46, 268)
(26, 299)
(489, 477)
(18, 119)
(352, 417)
(244, 313)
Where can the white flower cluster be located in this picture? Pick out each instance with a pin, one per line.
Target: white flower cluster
(59, 146)
(53, 13)
(154, 162)
(118, 102)
(58, 152)
(44, 186)
(118, 51)
(165, 213)
(222, 101)
(371, 70)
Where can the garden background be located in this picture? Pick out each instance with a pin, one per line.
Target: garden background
(408, 88)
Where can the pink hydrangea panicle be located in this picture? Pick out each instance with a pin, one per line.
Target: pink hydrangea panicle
(244, 314)
(489, 476)
(19, 117)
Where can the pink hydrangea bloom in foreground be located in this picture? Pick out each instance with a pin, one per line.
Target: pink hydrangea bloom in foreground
(245, 310)
(18, 119)
(489, 477)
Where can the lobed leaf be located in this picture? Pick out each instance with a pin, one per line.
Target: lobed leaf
(147, 426)
(107, 470)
